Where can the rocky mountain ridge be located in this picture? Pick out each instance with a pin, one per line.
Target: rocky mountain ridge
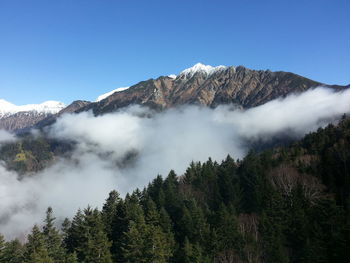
(13, 117)
(209, 86)
(200, 85)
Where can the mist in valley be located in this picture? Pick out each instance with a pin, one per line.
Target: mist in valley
(126, 149)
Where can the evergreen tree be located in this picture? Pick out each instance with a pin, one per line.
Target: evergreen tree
(2, 248)
(227, 234)
(75, 234)
(190, 253)
(13, 252)
(71, 258)
(119, 227)
(53, 239)
(158, 246)
(109, 212)
(65, 228)
(96, 247)
(134, 243)
(36, 251)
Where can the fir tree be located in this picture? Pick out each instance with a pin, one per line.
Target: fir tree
(36, 251)
(109, 212)
(13, 252)
(53, 239)
(96, 247)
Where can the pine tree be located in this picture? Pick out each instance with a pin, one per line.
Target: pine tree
(165, 221)
(134, 244)
(2, 248)
(250, 179)
(159, 246)
(191, 253)
(152, 215)
(119, 227)
(36, 251)
(71, 258)
(109, 212)
(158, 243)
(272, 240)
(96, 247)
(65, 228)
(227, 233)
(53, 239)
(75, 235)
(13, 252)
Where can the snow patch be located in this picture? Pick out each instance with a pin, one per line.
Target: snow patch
(199, 67)
(103, 96)
(47, 107)
(172, 76)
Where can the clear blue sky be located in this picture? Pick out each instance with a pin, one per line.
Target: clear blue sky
(77, 49)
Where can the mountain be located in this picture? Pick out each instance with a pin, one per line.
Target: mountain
(73, 107)
(201, 84)
(13, 117)
(47, 107)
(208, 86)
(103, 96)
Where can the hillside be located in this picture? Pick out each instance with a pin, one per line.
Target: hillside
(288, 204)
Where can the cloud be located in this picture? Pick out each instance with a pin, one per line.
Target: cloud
(128, 148)
(6, 137)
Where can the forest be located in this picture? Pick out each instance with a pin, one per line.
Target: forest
(285, 204)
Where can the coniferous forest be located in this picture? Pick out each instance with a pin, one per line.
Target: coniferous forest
(287, 204)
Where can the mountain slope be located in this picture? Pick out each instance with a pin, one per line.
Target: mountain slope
(208, 86)
(14, 117)
(201, 84)
(73, 107)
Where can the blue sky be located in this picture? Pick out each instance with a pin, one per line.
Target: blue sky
(78, 49)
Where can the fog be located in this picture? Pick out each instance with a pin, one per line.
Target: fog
(6, 137)
(128, 148)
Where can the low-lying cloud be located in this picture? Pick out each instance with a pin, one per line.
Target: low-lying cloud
(128, 148)
(6, 137)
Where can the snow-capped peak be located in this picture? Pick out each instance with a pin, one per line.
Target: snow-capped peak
(103, 96)
(199, 67)
(47, 107)
(172, 76)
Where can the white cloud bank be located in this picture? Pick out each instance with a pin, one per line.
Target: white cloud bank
(154, 143)
(6, 137)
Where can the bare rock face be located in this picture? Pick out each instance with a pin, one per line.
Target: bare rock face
(22, 120)
(73, 107)
(220, 85)
(13, 117)
(199, 85)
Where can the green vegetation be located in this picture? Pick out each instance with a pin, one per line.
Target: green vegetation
(31, 154)
(289, 204)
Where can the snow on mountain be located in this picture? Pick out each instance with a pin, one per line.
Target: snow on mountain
(199, 67)
(103, 96)
(187, 73)
(47, 107)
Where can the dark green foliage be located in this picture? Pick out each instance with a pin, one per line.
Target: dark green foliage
(36, 250)
(11, 252)
(289, 204)
(53, 239)
(31, 153)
